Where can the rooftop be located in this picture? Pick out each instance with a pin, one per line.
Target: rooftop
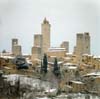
(93, 74)
(57, 49)
(78, 82)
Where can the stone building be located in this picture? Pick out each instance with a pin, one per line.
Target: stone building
(77, 86)
(36, 53)
(96, 62)
(82, 44)
(37, 47)
(58, 52)
(38, 40)
(16, 49)
(65, 44)
(97, 84)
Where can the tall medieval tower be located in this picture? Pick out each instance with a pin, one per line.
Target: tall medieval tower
(16, 49)
(14, 43)
(45, 29)
(86, 43)
(82, 44)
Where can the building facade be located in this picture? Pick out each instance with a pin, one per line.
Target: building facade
(36, 53)
(57, 52)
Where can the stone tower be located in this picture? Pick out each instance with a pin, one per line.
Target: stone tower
(86, 43)
(82, 44)
(37, 46)
(16, 49)
(79, 44)
(65, 44)
(38, 40)
(14, 43)
(45, 29)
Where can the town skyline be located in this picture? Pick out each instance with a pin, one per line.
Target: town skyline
(66, 19)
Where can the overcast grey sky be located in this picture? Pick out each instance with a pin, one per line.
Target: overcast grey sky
(22, 19)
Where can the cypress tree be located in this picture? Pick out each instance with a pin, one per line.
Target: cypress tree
(41, 70)
(56, 69)
(45, 63)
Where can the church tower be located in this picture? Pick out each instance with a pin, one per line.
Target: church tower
(45, 29)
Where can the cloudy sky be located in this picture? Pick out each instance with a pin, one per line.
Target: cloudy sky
(22, 19)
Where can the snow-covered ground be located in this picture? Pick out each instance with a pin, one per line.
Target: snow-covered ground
(77, 96)
(33, 82)
(73, 96)
(47, 87)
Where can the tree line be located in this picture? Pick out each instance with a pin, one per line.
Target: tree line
(44, 66)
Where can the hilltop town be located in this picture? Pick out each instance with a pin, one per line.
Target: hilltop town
(76, 72)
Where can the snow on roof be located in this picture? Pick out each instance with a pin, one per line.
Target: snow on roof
(67, 58)
(53, 56)
(26, 54)
(7, 53)
(69, 53)
(77, 82)
(68, 86)
(56, 49)
(51, 90)
(61, 96)
(72, 67)
(93, 74)
(87, 55)
(69, 64)
(29, 61)
(43, 98)
(87, 65)
(7, 57)
(60, 62)
(7, 67)
(96, 56)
